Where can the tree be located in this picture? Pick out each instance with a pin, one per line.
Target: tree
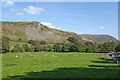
(43, 42)
(19, 39)
(108, 46)
(80, 46)
(18, 48)
(57, 47)
(5, 44)
(45, 48)
(89, 49)
(95, 47)
(66, 47)
(72, 39)
(89, 45)
(26, 47)
(72, 48)
(50, 48)
(31, 42)
(38, 48)
(32, 49)
(118, 48)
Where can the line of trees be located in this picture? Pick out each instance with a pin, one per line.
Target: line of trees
(72, 46)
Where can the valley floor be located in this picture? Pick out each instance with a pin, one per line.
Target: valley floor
(58, 65)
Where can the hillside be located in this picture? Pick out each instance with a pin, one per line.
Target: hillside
(97, 38)
(36, 31)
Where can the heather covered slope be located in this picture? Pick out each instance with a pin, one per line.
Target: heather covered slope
(36, 31)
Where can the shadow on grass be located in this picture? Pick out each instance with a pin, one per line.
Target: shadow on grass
(94, 71)
(106, 59)
(11, 65)
(109, 61)
(71, 73)
(104, 62)
(101, 58)
(104, 66)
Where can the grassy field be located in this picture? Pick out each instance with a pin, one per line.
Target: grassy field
(12, 44)
(58, 65)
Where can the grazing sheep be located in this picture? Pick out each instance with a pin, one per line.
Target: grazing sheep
(46, 54)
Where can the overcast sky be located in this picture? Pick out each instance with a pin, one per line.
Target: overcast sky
(78, 17)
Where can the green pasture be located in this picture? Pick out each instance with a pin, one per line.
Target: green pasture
(58, 65)
(12, 44)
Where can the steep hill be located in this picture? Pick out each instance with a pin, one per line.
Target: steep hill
(36, 31)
